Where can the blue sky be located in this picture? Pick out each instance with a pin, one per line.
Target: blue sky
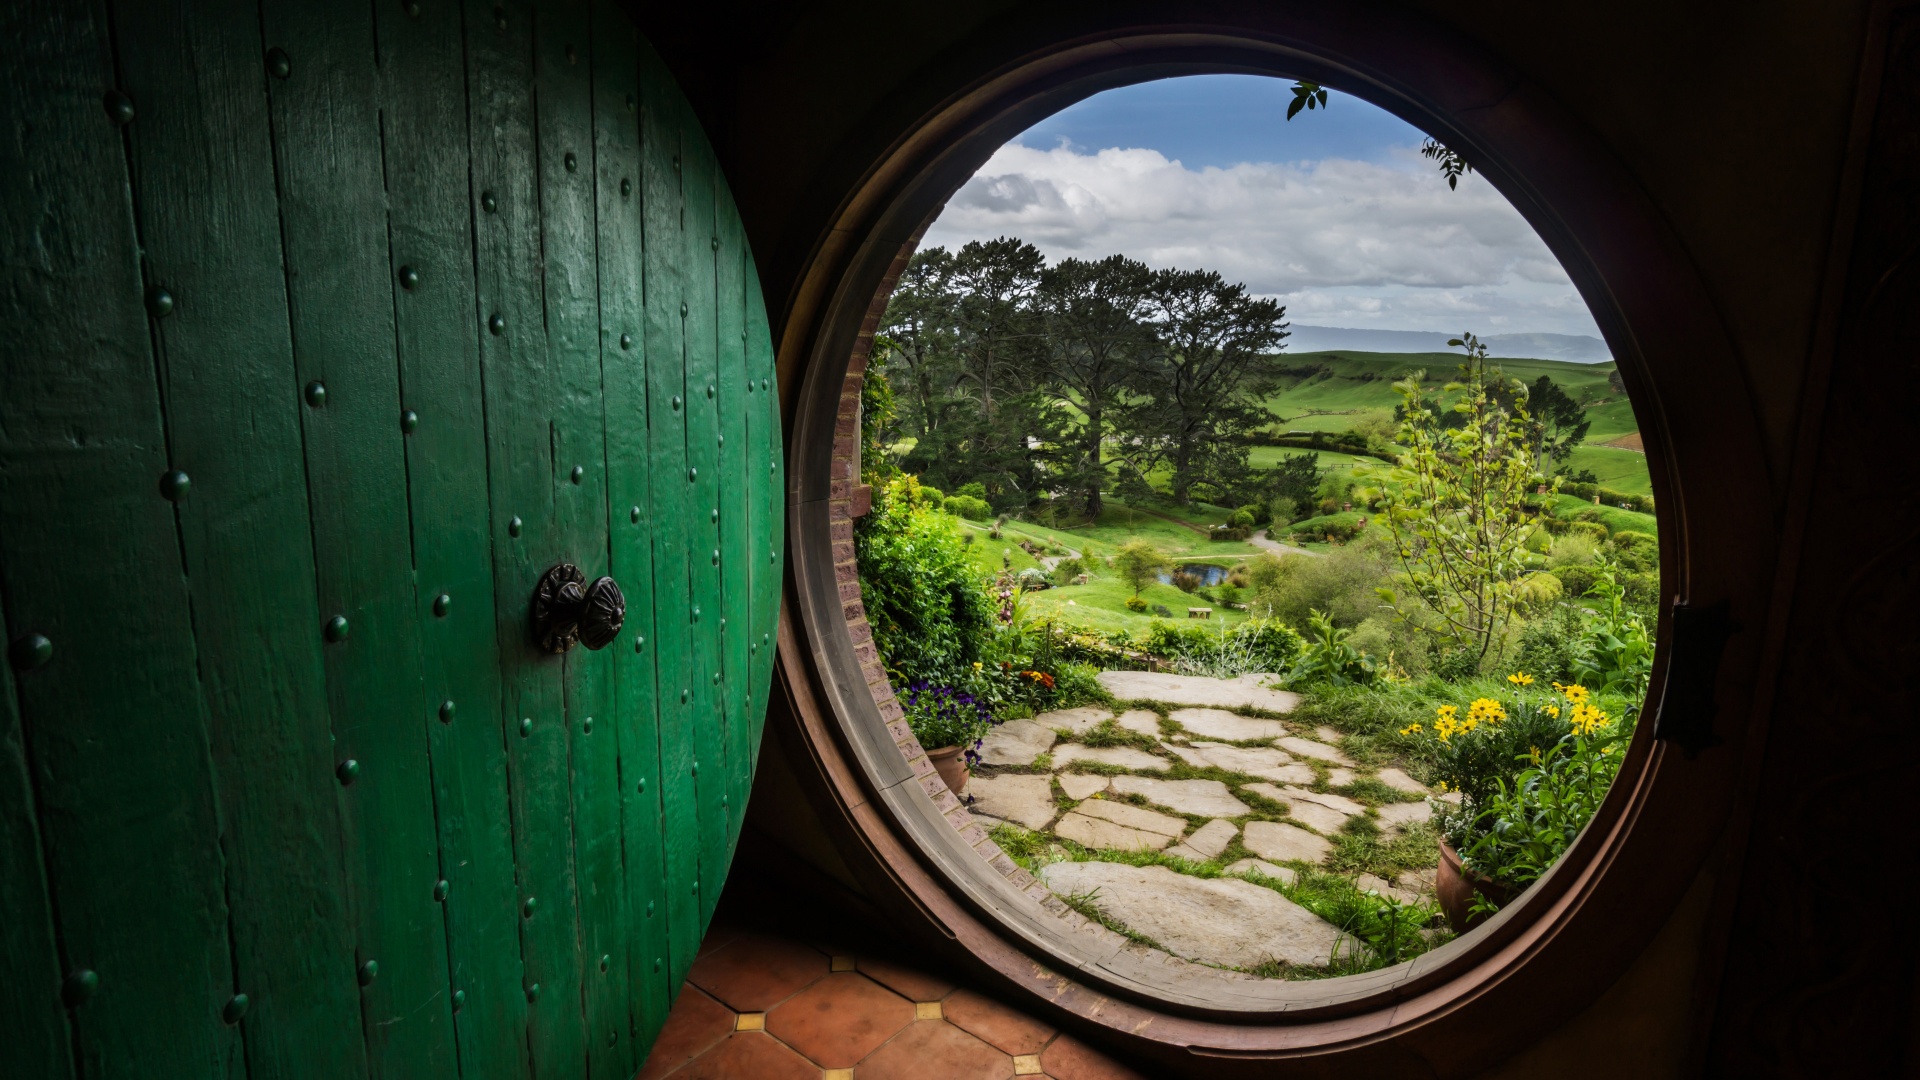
(1223, 120)
(1334, 212)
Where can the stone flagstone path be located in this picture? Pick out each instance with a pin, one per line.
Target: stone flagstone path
(1274, 799)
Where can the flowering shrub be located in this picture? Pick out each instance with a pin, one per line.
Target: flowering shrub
(944, 716)
(1526, 824)
(1474, 751)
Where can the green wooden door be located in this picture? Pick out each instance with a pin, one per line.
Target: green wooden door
(333, 326)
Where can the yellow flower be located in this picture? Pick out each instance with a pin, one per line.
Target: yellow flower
(1574, 692)
(976, 665)
(1586, 719)
(1441, 787)
(1446, 712)
(1533, 754)
(1410, 729)
(1485, 710)
(1520, 678)
(1553, 711)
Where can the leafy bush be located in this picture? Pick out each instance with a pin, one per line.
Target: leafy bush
(1636, 552)
(1067, 569)
(1033, 579)
(1257, 645)
(1242, 518)
(922, 595)
(1576, 580)
(942, 716)
(1229, 532)
(1525, 825)
(971, 507)
(974, 489)
(927, 496)
(1257, 513)
(1536, 592)
(1550, 646)
(1572, 549)
(1136, 604)
(1342, 583)
(1328, 658)
(1616, 656)
(1184, 580)
(1591, 528)
(1163, 611)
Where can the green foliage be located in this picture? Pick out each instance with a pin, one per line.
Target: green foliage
(974, 489)
(1616, 656)
(1452, 165)
(1475, 748)
(1344, 583)
(1551, 646)
(1458, 512)
(922, 595)
(1306, 95)
(1135, 604)
(1242, 519)
(1636, 552)
(1525, 824)
(1067, 569)
(1140, 564)
(970, 507)
(1326, 657)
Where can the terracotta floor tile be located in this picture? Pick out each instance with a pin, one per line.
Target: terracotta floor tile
(1067, 1058)
(696, 1023)
(935, 1048)
(749, 1055)
(1014, 1032)
(840, 1019)
(753, 972)
(908, 983)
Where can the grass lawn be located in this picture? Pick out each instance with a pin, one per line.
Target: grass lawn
(1120, 524)
(1614, 518)
(1622, 470)
(1101, 604)
(1267, 457)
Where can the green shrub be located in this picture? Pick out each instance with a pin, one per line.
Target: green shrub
(971, 507)
(927, 607)
(1636, 552)
(1136, 604)
(1524, 826)
(1590, 527)
(1573, 549)
(1550, 646)
(974, 489)
(1576, 580)
(1067, 569)
(1257, 513)
(1453, 665)
(1343, 583)
(929, 496)
(1328, 658)
(1242, 518)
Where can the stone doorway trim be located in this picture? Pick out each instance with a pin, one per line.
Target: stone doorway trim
(1541, 960)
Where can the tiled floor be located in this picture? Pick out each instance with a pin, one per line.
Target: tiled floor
(761, 1007)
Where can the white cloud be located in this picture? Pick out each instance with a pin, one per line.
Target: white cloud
(1345, 243)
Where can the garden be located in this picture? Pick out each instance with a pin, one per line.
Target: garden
(1284, 711)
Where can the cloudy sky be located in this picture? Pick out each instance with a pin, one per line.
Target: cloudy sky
(1334, 212)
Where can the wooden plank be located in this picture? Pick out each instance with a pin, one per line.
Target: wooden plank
(203, 186)
(769, 498)
(672, 504)
(519, 377)
(640, 965)
(327, 156)
(736, 575)
(114, 731)
(699, 243)
(38, 1038)
(430, 248)
(563, 67)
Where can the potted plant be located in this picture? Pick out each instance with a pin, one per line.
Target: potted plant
(949, 724)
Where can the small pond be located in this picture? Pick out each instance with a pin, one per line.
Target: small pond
(1208, 573)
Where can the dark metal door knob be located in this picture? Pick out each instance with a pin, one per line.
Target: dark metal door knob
(567, 610)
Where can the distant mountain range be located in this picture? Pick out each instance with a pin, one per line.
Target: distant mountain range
(1577, 348)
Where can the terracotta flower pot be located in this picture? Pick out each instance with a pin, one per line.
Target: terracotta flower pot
(1454, 886)
(952, 767)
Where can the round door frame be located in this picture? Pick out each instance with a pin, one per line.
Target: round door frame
(1526, 971)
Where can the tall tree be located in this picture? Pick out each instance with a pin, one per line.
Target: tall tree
(1215, 351)
(920, 324)
(1096, 342)
(999, 332)
(1560, 422)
